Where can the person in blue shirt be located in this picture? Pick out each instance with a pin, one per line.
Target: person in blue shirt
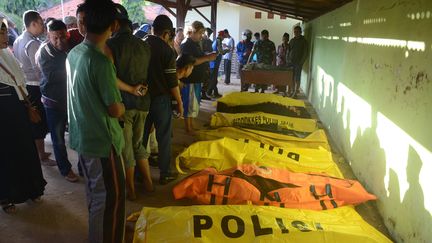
(212, 90)
(244, 49)
(257, 37)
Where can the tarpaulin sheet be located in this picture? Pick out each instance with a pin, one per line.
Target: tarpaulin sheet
(264, 122)
(226, 153)
(247, 223)
(316, 139)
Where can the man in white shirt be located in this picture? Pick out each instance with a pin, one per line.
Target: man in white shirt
(24, 49)
(228, 44)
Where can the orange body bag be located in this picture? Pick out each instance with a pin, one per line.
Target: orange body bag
(268, 186)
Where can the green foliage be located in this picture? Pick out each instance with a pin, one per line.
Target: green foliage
(17, 20)
(14, 9)
(135, 10)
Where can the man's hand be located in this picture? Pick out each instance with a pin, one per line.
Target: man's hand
(139, 90)
(180, 110)
(212, 56)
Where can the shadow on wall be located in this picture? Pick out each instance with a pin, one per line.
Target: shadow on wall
(371, 85)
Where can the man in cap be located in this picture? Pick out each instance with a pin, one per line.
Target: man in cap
(70, 22)
(163, 85)
(74, 36)
(131, 58)
(244, 49)
(142, 31)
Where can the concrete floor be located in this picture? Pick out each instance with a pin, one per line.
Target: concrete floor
(62, 215)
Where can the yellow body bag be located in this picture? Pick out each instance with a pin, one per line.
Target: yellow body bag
(316, 139)
(264, 122)
(247, 223)
(243, 102)
(246, 98)
(226, 153)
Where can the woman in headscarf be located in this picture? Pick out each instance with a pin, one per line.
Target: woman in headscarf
(20, 170)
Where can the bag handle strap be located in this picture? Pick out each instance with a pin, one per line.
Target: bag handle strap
(26, 99)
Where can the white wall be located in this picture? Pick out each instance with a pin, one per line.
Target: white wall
(371, 86)
(276, 26)
(237, 18)
(227, 18)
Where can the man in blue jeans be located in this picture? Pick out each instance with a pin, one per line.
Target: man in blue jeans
(51, 58)
(163, 85)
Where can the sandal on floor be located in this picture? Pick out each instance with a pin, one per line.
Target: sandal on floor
(8, 207)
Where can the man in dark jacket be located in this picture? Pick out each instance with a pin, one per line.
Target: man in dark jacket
(51, 58)
(131, 58)
(298, 50)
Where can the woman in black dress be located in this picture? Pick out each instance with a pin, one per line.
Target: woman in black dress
(20, 170)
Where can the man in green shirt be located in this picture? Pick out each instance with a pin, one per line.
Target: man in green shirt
(131, 58)
(94, 106)
(265, 50)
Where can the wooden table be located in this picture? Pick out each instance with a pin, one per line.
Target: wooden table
(275, 77)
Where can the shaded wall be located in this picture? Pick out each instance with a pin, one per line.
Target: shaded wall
(369, 76)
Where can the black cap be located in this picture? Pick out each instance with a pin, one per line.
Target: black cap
(162, 22)
(209, 31)
(121, 12)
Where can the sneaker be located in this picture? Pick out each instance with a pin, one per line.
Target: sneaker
(71, 177)
(48, 162)
(163, 180)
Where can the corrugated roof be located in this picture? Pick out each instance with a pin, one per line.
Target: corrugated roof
(297, 9)
(192, 3)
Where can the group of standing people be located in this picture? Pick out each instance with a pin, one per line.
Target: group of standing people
(120, 89)
(113, 90)
(290, 53)
(109, 87)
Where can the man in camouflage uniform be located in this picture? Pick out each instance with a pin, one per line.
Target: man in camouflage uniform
(265, 50)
